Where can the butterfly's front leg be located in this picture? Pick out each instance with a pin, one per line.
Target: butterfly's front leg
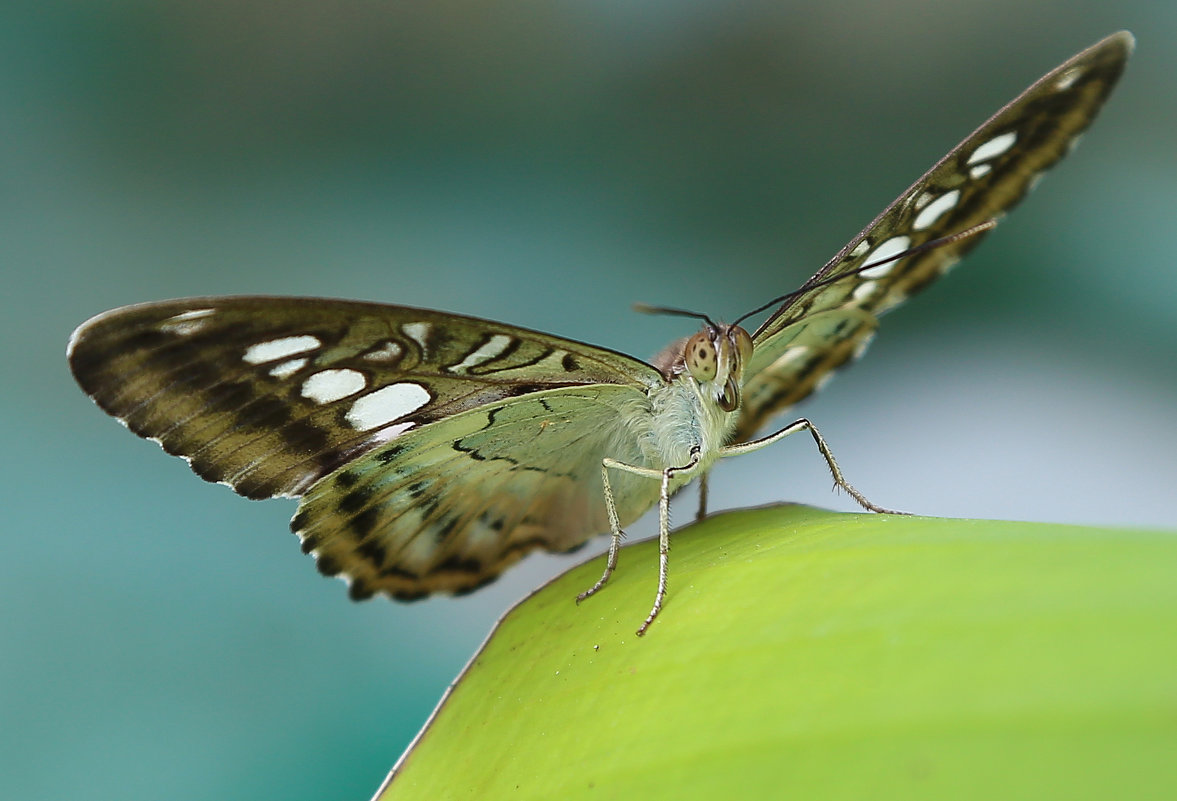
(616, 534)
(805, 425)
(666, 476)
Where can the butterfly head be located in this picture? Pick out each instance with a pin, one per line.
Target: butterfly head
(715, 357)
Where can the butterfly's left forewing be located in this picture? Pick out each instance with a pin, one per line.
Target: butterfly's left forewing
(980, 179)
(269, 395)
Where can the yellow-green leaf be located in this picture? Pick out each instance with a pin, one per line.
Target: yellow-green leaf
(805, 654)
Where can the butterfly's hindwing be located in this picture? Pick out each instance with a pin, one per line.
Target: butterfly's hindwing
(269, 395)
(979, 180)
(803, 357)
(448, 506)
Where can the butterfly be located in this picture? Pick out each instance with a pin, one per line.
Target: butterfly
(431, 450)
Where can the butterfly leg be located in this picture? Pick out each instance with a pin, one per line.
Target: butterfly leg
(666, 476)
(616, 534)
(664, 536)
(702, 513)
(805, 425)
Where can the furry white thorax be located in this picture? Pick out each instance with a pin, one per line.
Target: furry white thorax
(684, 415)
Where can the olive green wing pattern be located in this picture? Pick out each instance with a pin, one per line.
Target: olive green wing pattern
(447, 507)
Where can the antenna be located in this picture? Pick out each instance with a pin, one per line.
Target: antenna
(646, 308)
(931, 244)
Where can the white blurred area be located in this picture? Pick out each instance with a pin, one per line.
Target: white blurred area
(983, 427)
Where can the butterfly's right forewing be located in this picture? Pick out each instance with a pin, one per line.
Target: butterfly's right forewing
(979, 180)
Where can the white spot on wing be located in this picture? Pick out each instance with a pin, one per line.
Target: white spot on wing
(386, 405)
(860, 248)
(276, 349)
(327, 386)
(947, 263)
(188, 322)
(793, 354)
(194, 314)
(288, 368)
(861, 347)
(487, 351)
(979, 171)
(893, 246)
(418, 332)
(865, 291)
(1067, 79)
(994, 147)
(299, 487)
(419, 552)
(389, 433)
(935, 209)
(385, 353)
(480, 535)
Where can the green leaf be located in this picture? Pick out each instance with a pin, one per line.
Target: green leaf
(812, 655)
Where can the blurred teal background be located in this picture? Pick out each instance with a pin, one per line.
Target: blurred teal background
(545, 164)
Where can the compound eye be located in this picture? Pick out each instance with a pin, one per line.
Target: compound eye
(701, 358)
(730, 399)
(743, 344)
